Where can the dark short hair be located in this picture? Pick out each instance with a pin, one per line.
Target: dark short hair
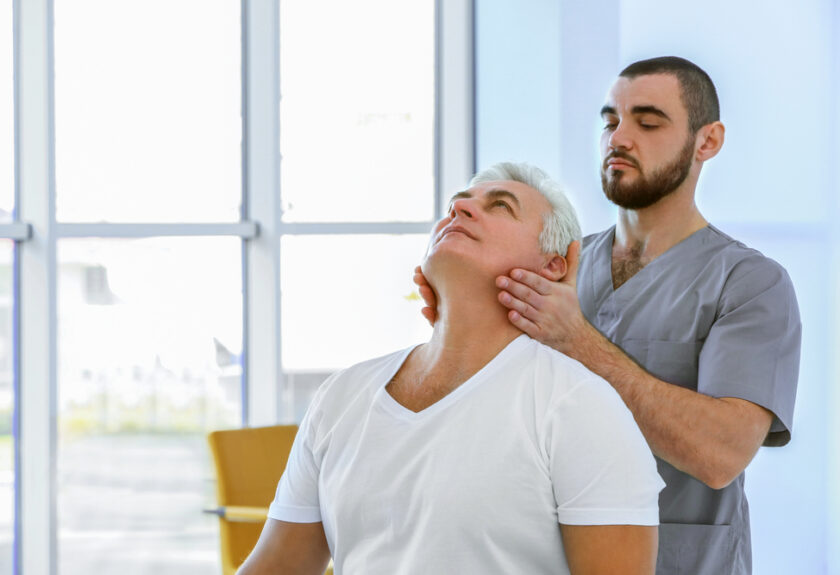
(696, 88)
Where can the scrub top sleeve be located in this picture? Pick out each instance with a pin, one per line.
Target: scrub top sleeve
(752, 350)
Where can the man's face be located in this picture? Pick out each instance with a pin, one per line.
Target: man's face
(493, 226)
(647, 150)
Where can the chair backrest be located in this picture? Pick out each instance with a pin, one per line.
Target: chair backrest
(248, 462)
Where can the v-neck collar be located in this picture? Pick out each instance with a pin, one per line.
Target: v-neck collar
(604, 271)
(398, 410)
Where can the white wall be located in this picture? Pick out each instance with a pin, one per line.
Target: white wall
(517, 73)
(774, 186)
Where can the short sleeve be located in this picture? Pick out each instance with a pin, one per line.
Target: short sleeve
(296, 499)
(602, 470)
(752, 350)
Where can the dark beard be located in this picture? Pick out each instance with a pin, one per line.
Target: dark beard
(646, 191)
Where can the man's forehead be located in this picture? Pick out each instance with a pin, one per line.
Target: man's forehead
(658, 90)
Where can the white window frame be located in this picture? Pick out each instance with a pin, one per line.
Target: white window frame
(454, 163)
(36, 234)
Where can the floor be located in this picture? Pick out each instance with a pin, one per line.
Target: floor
(130, 504)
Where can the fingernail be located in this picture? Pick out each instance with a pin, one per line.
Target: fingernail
(516, 274)
(503, 283)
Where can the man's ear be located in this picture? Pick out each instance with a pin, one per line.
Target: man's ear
(711, 141)
(554, 269)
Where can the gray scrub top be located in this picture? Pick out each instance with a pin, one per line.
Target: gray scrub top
(715, 316)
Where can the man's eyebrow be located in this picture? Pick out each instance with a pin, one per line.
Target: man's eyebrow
(492, 195)
(638, 110)
(459, 195)
(496, 194)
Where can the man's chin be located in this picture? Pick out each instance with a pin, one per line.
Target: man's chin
(625, 195)
(633, 199)
(446, 265)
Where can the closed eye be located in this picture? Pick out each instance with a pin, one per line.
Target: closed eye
(503, 204)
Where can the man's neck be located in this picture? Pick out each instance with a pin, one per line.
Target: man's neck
(471, 329)
(649, 232)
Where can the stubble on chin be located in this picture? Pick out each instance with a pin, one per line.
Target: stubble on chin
(646, 190)
(626, 194)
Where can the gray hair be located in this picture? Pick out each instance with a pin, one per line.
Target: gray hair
(560, 226)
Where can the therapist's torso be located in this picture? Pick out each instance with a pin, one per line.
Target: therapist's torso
(662, 317)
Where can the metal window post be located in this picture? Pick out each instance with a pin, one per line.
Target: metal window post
(37, 264)
(261, 158)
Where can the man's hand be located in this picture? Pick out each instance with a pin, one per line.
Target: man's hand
(547, 311)
(428, 295)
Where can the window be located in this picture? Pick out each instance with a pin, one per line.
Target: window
(7, 272)
(357, 142)
(149, 164)
(357, 113)
(149, 328)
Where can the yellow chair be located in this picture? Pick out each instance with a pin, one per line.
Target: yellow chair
(248, 462)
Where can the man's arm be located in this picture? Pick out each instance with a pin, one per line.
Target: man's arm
(288, 549)
(610, 549)
(712, 439)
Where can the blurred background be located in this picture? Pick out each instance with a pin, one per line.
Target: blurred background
(208, 206)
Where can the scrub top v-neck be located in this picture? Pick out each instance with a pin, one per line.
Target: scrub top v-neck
(713, 316)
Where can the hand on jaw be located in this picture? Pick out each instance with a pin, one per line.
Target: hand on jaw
(546, 310)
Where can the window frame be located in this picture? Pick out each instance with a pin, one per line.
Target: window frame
(36, 233)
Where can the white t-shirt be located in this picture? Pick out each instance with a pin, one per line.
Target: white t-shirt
(477, 482)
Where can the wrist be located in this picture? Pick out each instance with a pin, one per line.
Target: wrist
(585, 345)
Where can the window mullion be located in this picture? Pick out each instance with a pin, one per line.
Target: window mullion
(261, 140)
(36, 290)
(17, 231)
(455, 106)
(245, 230)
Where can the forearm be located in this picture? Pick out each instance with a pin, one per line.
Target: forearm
(711, 439)
(288, 549)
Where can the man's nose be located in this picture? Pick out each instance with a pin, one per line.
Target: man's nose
(620, 137)
(460, 208)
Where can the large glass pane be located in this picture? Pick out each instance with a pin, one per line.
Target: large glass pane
(357, 110)
(7, 201)
(147, 100)
(150, 336)
(345, 299)
(7, 114)
(7, 403)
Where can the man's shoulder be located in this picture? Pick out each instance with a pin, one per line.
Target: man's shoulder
(560, 372)
(591, 240)
(566, 388)
(545, 353)
(360, 379)
(740, 262)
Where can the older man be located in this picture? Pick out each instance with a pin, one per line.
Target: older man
(482, 450)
